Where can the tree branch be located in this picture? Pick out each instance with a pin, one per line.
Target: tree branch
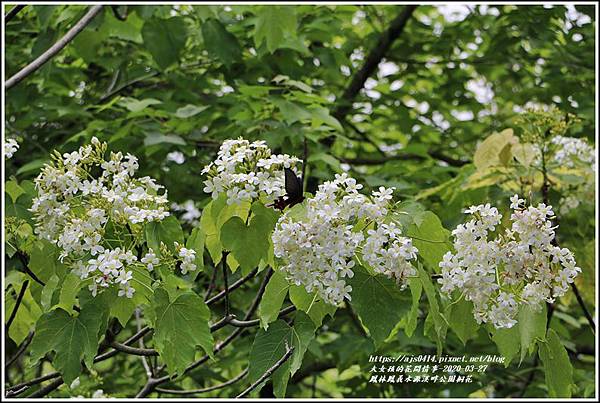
(21, 387)
(20, 351)
(587, 314)
(47, 389)
(288, 353)
(13, 314)
(152, 383)
(232, 287)
(54, 49)
(13, 12)
(371, 63)
(204, 390)
(146, 352)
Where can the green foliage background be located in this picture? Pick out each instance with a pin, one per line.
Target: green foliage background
(152, 80)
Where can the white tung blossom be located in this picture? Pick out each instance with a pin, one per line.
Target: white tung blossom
(521, 265)
(79, 194)
(246, 171)
(319, 250)
(10, 148)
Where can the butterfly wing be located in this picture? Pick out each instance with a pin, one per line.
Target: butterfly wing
(293, 184)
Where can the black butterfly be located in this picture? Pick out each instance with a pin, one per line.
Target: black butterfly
(293, 188)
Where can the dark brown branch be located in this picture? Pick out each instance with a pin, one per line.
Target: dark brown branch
(152, 383)
(269, 372)
(587, 314)
(47, 389)
(400, 157)
(211, 284)
(27, 270)
(371, 63)
(13, 314)
(147, 352)
(20, 351)
(54, 49)
(225, 283)
(21, 387)
(232, 287)
(13, 12)
(204, 390)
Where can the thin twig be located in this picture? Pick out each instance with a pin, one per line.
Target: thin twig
(304, 163)
(20, 351)
(587, 314)
(27, 270)
(151, 384)
(13, 12)
(47, 389)
(204, 390)
(288, 353)
(138, 324)
(147, 352)
(223, 262)
(21, 387)
(54, 49)
(232, 287)
(211, 284)
(371, 63)
(13, 314)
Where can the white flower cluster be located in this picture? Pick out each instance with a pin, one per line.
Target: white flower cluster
(187, 256)
(521, 265)
(79, 194)
(246, 171)
(574, 152)
(109, 267)
(10, 147)
(191, 213)
(572, 149)
(319, 249)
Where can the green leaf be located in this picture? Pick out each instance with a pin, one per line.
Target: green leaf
(532, 327)
(73, 338)
(508, 342)
(28, 313)
(181, 325)
(321, 116)
(557, 366)
(189, 110)
(303, 332)
(272, 299)
(68, 292)
(44, 262)
(291, 112)
(273, 24)
(430, 238)
(48, 291)
(214, 215)
(416, 288)
(196, 242)
(220, 43)
(13, 189)
(435, 320)
(249, 243)
(165, 39)
(153, 138)
(311, 304)
(270, 345)
(492, 151)
(167, 231)
(137, 105)
(461, 320)
(378, 302)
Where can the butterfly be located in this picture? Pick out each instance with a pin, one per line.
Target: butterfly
(293, 188)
